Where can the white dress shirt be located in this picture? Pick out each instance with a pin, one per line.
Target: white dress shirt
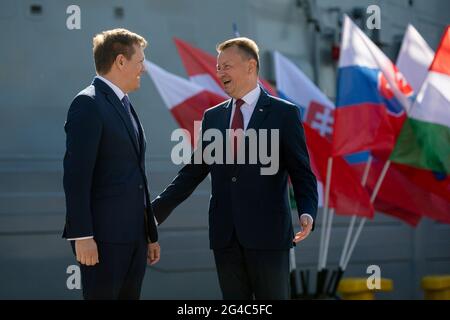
(119, 93)
(247, 108)
(250, 100)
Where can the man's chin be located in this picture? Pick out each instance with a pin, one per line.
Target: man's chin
(136, 86)
(228, 92)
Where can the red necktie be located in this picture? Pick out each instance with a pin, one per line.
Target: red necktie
(237, 123)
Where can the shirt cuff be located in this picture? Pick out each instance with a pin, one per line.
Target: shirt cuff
(308, 215)
(82, 238)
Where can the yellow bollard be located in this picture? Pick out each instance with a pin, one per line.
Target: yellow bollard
(436, 287)
(356, 288)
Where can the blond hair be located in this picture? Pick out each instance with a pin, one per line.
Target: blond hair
(245, 45)
(109, 44)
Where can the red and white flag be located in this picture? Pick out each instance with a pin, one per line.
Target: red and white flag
(186, 100)
(201, 68)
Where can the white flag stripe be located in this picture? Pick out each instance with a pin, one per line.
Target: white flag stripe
(356, 42)
(353, 50)
(207, 82)
(173, 89)
(433, 102)
(414, 58)
(289, 76)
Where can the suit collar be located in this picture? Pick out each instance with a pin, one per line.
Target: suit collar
(263, 100)
(252, 96)
(119, 93)
(260, 112)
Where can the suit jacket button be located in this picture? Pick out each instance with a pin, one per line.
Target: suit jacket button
(233, 179)
(141, 186)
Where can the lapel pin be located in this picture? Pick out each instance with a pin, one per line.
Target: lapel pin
(260, 110)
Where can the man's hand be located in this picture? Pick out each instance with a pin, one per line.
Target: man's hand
(87, 252)
(153, 253)
(306, 224)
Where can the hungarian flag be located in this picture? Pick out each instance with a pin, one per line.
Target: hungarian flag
(186, 100)
(201, 68)
(371, 96)
(414, 58)
(424, 141)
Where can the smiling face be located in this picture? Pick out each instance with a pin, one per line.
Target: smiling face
(131, 70)
(236, 72)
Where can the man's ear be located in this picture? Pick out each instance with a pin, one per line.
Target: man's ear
(252, 66)
(120, 61)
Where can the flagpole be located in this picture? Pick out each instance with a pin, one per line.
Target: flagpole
(347, 241)
(322, 237)
(327, 238)
(353, 220)
(372, 200)
(341, 268)
(325, 213)
(322, 272)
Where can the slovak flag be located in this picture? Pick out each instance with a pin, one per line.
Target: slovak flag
(186, 100)
(372, 96)
(346, 193)
(347, 196)
(201, 68)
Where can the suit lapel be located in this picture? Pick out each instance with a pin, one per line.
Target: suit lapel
(118, 106)
(225, 116)
(260, 112)
(142, 139)
(223, 126)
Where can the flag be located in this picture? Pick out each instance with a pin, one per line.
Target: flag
(414, 58)
(318, 112)
(424, 141)
(295, 86)
(402, 197)
(371, 96)
(186, 100)
(201, 68)
(347, 195)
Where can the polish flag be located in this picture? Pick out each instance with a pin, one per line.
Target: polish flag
(201, 68)
(186, 100)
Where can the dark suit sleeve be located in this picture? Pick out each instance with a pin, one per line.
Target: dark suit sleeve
(151, 224)
(83, 131)
(187, 179)
(297, 161)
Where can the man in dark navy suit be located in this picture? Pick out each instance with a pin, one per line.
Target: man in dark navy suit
(250, 224)
(109, 219)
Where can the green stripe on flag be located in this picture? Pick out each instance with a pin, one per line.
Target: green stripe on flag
(423, 145)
